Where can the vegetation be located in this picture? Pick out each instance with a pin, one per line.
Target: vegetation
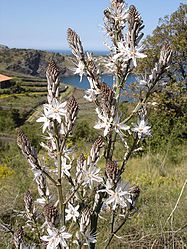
(170, 103)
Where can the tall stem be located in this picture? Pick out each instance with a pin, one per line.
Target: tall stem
(59, 184)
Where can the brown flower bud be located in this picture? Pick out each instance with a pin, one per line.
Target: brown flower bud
(75, 44)
(52, 71)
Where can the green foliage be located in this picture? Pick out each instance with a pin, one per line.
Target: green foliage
(6, 122)
(167, 132)
(34, 133)
(84, 132)
(15, 115)
(172, 29)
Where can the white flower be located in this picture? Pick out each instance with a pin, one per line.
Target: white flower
(90, 95)
(63, 129)
(118, 196)
(154, 103)
(142, 129)
(119, 126)
(90, 238)
(56, 237)
(104, 122)
(45, 120)
(143, 83)
(80, 69)
(37, 173)
(72, 212)
(56, 109)
(64, 167)
(41, 201)
(129, 53)
(107, 123)
(90, 175)
(51, 141)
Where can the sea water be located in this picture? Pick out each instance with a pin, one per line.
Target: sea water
(84, 83)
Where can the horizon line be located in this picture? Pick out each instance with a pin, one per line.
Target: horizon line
(54, 49)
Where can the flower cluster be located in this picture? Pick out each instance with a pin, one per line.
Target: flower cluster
(84, 189)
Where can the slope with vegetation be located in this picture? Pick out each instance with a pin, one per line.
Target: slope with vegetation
(29, 61)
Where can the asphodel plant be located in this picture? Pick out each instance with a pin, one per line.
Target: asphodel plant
(86, 194)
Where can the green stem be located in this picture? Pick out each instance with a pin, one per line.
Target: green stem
(112, 221)
(116, 230)
(128, 156)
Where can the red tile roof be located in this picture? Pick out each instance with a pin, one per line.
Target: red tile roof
(4, 78)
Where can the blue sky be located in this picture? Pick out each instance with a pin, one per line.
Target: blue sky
(42, 24)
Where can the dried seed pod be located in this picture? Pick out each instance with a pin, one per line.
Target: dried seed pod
(23, 142)
(134, 192)
(108, 15)
(117, 1)
(95, 150)
(161, 66)
(28, 151)
(18, 237)
(107, 98)
(92, 71)
(51, 213)
(28, 202)
(81, 160)
(111, 170)
(98, 143)
(165, 54)
(72, 104)
(52, 74)
(85, 219)
(133, 17)
(42, 186)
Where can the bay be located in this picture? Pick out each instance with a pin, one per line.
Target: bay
(68, 52)
(74, 80)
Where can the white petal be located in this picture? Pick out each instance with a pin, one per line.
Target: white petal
(45, 238)
(66, 235)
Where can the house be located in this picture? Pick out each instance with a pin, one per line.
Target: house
(5, 81)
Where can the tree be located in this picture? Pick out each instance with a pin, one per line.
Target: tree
(171, 102)
(171, 29)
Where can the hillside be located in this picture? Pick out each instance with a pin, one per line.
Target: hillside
(29, 61)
